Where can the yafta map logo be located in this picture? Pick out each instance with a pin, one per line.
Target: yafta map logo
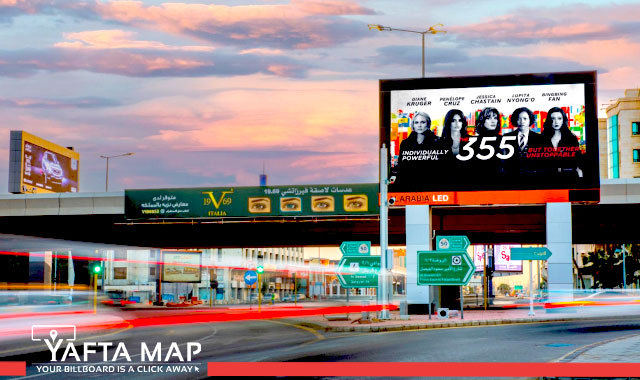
(153, 358)
(62, 332)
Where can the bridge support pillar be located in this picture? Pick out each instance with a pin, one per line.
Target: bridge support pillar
(559, 242)
(418, 235)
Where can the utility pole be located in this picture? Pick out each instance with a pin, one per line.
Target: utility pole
(431, 30)
(383, 293)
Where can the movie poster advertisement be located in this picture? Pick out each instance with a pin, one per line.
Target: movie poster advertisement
(491, 137)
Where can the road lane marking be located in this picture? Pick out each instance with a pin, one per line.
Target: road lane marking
(305, 328)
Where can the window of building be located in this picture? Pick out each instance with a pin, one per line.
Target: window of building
(120, 254)
(635, 128)
(636, 155)
(614, 148)
(152, 271)
(120, 273)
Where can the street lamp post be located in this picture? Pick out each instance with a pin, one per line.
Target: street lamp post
(106, 185)
(431, 30)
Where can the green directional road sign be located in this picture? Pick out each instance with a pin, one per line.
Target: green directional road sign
(355, 248)
(452, 243)
(359, 271)
(530, 253)
(444, 268)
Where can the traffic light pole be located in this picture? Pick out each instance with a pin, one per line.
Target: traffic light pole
(96, 270)
(295, 290)
(259, 292)
(531, 313)
(95, 293)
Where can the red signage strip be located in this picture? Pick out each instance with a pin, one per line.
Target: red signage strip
(436, 369)
(13, 368)
(512, 197)
(479, 197)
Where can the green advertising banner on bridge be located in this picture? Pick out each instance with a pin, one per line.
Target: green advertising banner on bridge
(221, 202)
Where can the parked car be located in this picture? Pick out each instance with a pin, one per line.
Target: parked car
(291, 297)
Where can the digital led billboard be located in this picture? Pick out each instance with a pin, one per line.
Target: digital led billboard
(530, 138)
(181, 266)
(39, 166)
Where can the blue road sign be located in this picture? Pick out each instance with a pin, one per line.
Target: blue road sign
(250, 277)
(530, 253)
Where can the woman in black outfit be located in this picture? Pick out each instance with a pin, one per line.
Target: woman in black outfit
(454, 133)
(561, 147)
(488, 167)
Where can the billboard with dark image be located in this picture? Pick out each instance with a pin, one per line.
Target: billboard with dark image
(39, 166)
(527, 138)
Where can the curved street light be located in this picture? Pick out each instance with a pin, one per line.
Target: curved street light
(106, 186)
(432, 30)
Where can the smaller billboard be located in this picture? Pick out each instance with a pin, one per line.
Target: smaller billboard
(39, 166)
(478, 257)
(181, 266)
(501, 256)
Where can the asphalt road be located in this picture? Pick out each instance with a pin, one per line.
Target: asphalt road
(284, 340)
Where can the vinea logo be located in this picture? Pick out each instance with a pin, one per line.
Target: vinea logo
(61, 338)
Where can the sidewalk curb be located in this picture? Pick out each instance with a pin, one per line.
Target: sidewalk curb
(433, 325)
(581, 350)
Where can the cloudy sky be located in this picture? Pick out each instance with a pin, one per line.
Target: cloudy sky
(206, 92)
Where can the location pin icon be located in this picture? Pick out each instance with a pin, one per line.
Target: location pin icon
(53, 334)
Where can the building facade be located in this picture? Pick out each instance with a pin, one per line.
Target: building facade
(623, 136)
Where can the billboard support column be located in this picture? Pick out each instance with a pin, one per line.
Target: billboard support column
(559, 241)
(383, 278)
(418, 237)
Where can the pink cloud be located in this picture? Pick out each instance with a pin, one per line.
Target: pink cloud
(299, 25)
(117, 39)
(623, 77)
(111, 55)
(562, 23)
(329, 7)
(606, 53)
(292, 116)
(262, 51)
